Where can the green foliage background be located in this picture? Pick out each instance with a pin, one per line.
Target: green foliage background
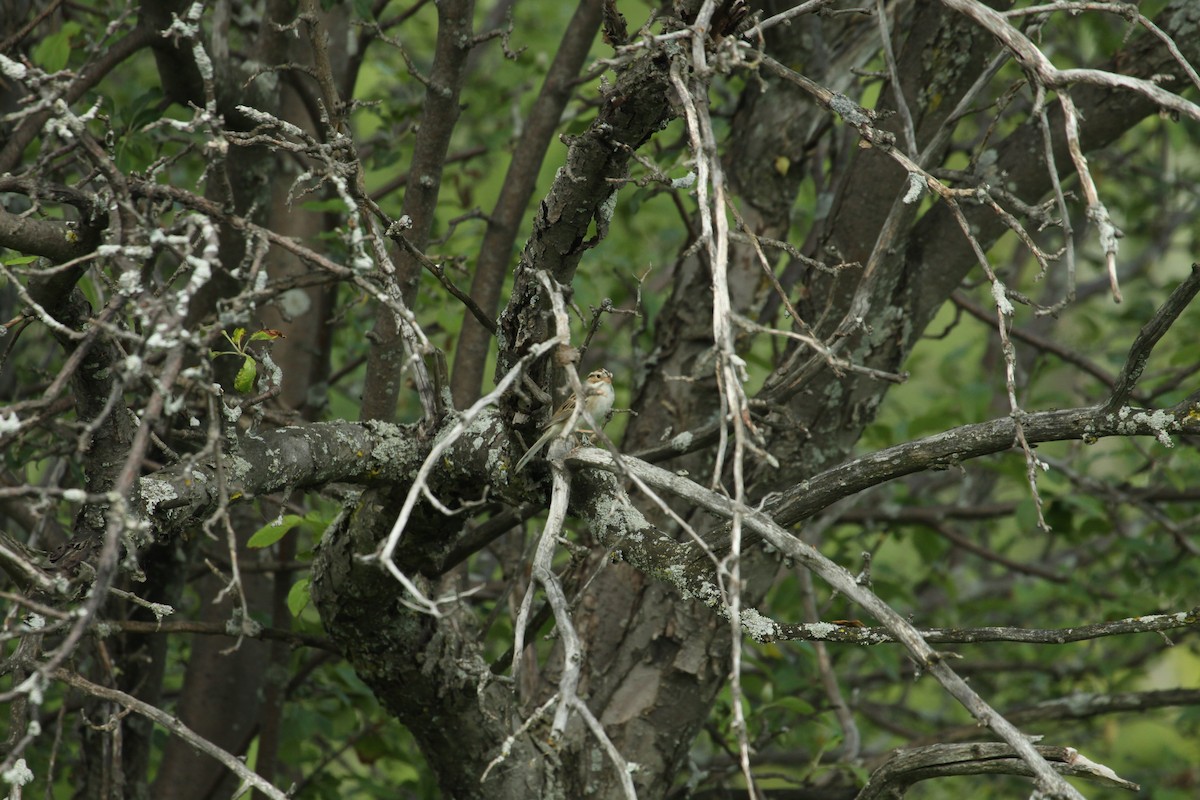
(336, 732)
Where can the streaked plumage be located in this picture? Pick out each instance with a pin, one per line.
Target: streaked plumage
(598, 403)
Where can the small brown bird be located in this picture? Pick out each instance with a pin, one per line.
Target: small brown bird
(597, 401)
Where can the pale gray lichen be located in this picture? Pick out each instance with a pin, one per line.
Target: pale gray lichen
(606, 209)
(160, 610)
(10, 423)
(682, 442)
(270, 374)
(916, 187)
(34, 687)
(12, 69)
(822, 630)
(760, 628)
(1132, 421)
(1160, 421)
(154, 492)
(18, 774)
(391, 447)
(239, 467)
(708, 593)
(294, 303)
(848, 110)
(686, 182)
(677, 577)
(1000, 295)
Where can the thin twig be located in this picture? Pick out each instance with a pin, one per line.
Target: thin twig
(1147, 338)
(174, 726)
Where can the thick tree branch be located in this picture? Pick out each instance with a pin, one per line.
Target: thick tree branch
(58, 241)
(854, 634)
(495, 253)
(582, 195)
(1031, 58)
(911, 765)
(945, 450)
(309, 456)
(1083, 706)
(438, 119)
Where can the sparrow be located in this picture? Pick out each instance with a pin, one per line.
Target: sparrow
(597, 402)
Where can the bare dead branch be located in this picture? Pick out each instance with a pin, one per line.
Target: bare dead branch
(1148, 337)
(221, 629)
(910, 765)
(1185, 621)
(944, 450)
(173, 726)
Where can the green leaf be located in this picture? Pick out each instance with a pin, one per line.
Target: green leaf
(1059, 517)
(53, 52)
(634, 202)
(1027, 514)
(931, 548)
(861, 774)
(272, 532)
(298, 596)
(134, 154)
(17, 260)
(146, 108)
(136, 148)
(795, 705)
(319, 519)
(244, 381)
